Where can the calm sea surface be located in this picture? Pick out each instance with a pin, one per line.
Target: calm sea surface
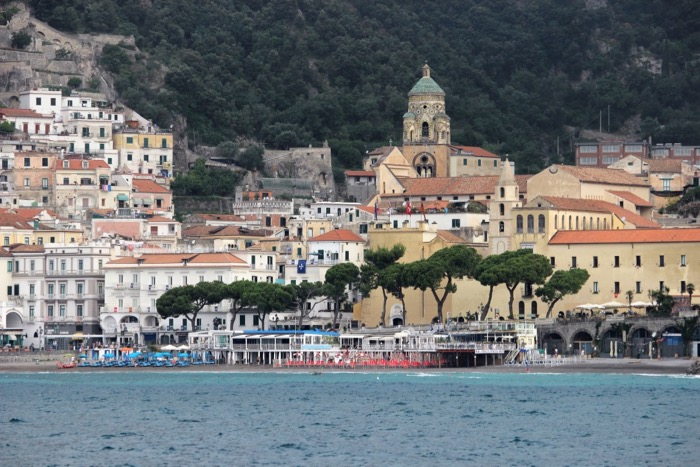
(450, 418)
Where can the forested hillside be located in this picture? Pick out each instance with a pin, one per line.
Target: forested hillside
(517, 74)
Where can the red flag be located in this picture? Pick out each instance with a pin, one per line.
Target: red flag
(422, 210)
(408, 208)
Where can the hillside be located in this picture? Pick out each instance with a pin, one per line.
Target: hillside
(519, 76)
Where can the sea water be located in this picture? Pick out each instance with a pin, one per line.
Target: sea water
(403, 418)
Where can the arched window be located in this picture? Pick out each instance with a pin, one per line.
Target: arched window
(569, 222)
(563, 225)
(530, 223)
(519, 224)
(540, 223)
(503, 192)
(502, 209)
(521, 310)
(501, 226)
(533, 310)
(605, 224)
(597, 223)
(556, 222)
(576, 222)
(426, 130)
(584, 223)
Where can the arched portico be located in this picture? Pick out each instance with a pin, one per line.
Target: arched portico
(552, 341)
(581, 340)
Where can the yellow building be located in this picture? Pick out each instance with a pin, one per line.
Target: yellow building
(144, 151)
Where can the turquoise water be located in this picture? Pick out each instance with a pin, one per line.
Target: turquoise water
(446, 418)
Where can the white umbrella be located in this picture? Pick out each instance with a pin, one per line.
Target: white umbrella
(613, 305)
(640, 304)
(587, 306)
(168, 348)
(184, 347)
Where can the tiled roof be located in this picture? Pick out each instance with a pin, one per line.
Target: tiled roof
(450, 186)
(338, 235)
(177, 259)
(594, 205)
(601, 175)
(222, 231)
(426, 85)
(219, 217)
(28, 213)
(22, 113)
(160, 219)
(360, 173)
(475, 150)
(27, 248)
(632, 198)
(77, 164)
(665, 165)
(147, 186)
(13, 220)
(566, 237)
(449, 237)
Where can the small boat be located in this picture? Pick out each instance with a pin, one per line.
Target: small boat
(66, 365)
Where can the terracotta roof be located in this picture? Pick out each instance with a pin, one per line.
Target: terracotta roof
(594, 205)
(448, 186)
(222, 231)
(147, 186)
(566, 237)
(665, 165)
(13, 220)
(27, 248)
(161, 219)
(338, 235)
(360, 173)
(22, 113)
(449, 237)
(77, 164)
(602, 175)
(632, 198)
(219, 217)
(369, 209)
(475, 150)
(28, 213)
(176, 259)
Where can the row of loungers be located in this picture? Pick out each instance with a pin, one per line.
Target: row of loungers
(156, 364)
(360, 364)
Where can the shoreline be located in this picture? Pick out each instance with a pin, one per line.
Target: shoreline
(597, 365)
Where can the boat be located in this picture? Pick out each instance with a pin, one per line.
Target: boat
(66, 365)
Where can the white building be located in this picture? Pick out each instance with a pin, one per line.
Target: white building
(134, 283)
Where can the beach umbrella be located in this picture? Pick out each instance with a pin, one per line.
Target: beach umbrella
(183, 355)
(587, 306)
(184, 347)
(82, 355)
(168, 347)
(613, 304)
(640, 304)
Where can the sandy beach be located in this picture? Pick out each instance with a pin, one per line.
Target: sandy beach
(595, 365)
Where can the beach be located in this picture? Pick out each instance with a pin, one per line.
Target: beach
(669, 366)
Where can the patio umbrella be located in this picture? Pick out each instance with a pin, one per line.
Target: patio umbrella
(168, 347)
(640, 304)
(183, 355)
(587, 306)
(184, 347)
(613, 304)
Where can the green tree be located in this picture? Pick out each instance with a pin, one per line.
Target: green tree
(686, 328)
(251, 158)
(560, 284)
(394, 280)
(237, 292)
(690, 288)
(20, 40)
(663, 302)
(304, 293)
(74, 82)
(7, 127)
(376, 263)
(340, 278)
(189, 300)
(521, 266)
(445, 265)
(228, 151)
(268, 297)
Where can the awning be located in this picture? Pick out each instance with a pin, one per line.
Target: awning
(122, 197)
(78, 336)
(11, 337)
(136, 200)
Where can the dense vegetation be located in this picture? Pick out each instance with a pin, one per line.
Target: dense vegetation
(519, 76)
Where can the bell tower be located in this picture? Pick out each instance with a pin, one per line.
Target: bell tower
(426, 128)
(501, 223)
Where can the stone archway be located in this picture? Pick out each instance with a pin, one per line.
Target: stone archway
(553, 341)
(640, 342)
(396, 315)
(582, 342)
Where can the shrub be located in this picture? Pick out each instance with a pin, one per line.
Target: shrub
(20, 40)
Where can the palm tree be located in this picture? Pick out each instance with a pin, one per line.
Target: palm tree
(690, 288)
(686, 327)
